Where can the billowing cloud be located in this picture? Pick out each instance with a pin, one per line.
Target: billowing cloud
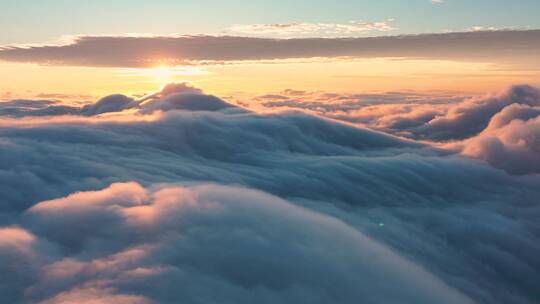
(196, 199)
(171, 96)
(498, 128)
(473, 115)
(516, 46)
(19, 262)
(111, 103)
(186, 101)
(392, 112)
(24, 107)
(243, 245)
(511, 141)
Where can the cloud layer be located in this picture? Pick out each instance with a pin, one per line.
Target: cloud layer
(499, 128)
(180, 195)
(515, 46)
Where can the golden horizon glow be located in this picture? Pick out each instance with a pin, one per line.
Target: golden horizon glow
(344, 75)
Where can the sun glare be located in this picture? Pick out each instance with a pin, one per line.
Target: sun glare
(164, 73)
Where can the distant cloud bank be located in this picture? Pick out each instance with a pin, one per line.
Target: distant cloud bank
(506, 45)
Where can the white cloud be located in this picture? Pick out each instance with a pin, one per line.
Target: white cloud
(313, 29)
(481, 28)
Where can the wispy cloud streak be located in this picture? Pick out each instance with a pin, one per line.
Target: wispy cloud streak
(294, 29)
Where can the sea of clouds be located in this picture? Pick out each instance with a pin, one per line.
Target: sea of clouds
(502, 129)
(181, 196)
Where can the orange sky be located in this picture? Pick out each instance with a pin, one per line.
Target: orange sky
(335, 75)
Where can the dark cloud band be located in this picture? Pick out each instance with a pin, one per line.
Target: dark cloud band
(506, 45)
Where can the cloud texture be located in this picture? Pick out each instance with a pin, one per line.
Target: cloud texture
(180, 195)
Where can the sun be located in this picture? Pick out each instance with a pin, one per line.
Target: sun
(161, 73)
(165, 73)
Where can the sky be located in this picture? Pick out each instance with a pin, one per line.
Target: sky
(45, 21)
(270, 152)
(48, 23)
